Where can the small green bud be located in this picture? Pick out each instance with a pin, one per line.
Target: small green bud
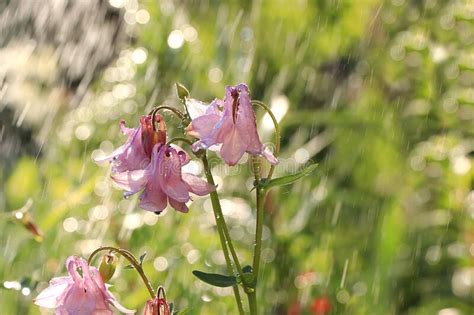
(107, 266)
(182, 91)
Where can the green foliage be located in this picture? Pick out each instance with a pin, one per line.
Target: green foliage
(290, 179)
(216, 279)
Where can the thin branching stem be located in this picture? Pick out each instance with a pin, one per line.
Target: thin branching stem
(277, 133)
(176, 111)
(176, 139)
(133, 261)
(224, 236)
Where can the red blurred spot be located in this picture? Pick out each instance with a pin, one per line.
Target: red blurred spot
(321, 306)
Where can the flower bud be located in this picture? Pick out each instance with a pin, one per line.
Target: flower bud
(107, 266)
(182, 91)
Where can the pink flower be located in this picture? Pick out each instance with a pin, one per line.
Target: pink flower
(79, 295)
(135, 154)
(235, 128)
(163, 181)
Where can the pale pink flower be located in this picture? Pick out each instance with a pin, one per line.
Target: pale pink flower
(82, 293)
(163, 181)
(234, 128)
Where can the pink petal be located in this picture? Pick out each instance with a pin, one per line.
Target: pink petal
(197, 185)
(131, 181)
(126, 131)
(183, 156)
(110, 156)
(130, 133)
(177, 205)
(246, 123)
(72, 262)
(50, 297)
(233, 148)
(202, 127)
(269, 156)
(153, 198)
(198, 145)
(130, 156)
(112, 300)
(195, 107)
(149, 308)
(169, 175)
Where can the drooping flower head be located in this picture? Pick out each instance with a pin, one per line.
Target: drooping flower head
(163, 181)
(81, 293)
(234, 128)
(157, 306)
(135, 153)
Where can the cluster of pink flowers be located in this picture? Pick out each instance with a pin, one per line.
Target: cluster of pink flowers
(146, 163)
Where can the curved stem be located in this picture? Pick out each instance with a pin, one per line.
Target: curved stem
(161, 292)
(277, 132)
(224, 237)
(183, 101)
(179, 139)
(129, 256)
(174, 110)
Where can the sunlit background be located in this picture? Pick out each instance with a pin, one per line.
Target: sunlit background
(379, 93)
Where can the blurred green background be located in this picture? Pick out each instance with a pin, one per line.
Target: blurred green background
(379, 93)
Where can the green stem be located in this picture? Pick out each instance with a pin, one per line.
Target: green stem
(277, 133)
(253, 302)
(129, 256)
(224, 236)
(179, 139)
(260, 196)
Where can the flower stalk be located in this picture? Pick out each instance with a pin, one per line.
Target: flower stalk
(133, 261)
(260, 194)
(176, 111)
(277, 133)
(224, 236)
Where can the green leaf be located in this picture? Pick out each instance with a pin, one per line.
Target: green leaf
(215, 279)
(129, 267)
(290, 179)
